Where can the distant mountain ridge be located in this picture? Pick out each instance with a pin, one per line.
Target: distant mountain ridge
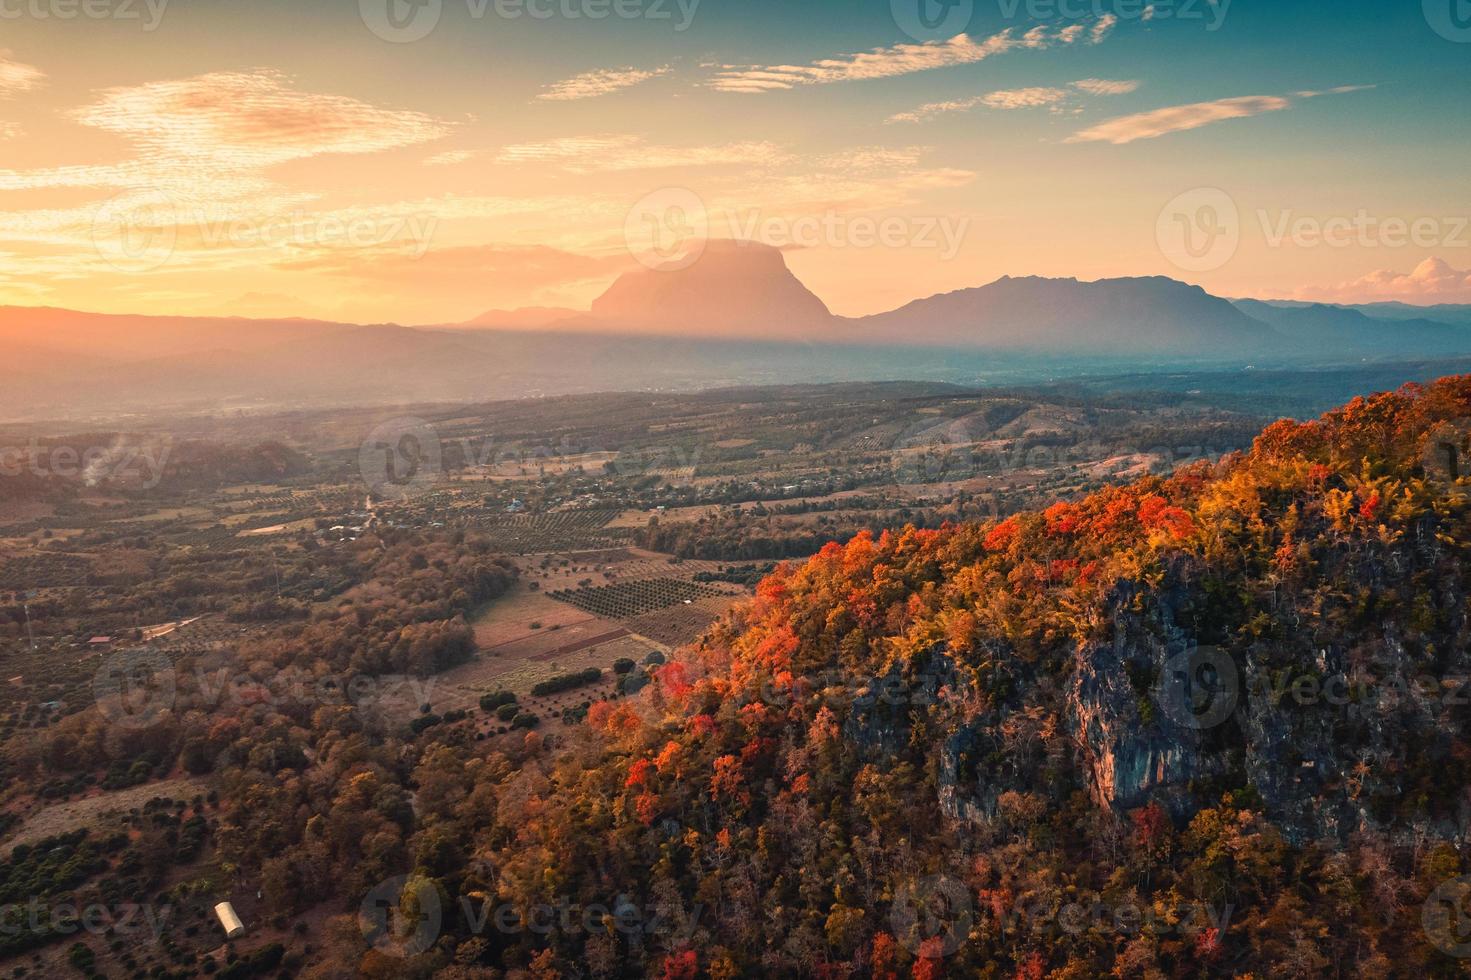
(1318, 324)
(1456, 314)
(1145, 316)
(737, 315)
(733, 289)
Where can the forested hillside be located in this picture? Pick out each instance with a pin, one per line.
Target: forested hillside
(1210, 725)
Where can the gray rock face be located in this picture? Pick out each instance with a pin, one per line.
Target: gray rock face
(1326, 737)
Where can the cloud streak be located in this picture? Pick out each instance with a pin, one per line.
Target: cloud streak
(252, 119)
(1106, 86)
(610, 153)
(1021, 98)
(1180, 118)
(16, 78)
(592, 84)
(905, 59)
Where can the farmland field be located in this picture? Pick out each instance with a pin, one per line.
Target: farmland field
(269, 585)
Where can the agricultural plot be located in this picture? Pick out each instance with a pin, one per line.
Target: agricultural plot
(462, 687)
(629, 600)
(525, 534)
(45, 569)
(679, 625)
(61, 818)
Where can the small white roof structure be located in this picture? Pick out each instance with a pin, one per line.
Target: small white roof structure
(229, 921)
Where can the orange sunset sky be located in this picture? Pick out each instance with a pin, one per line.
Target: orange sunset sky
(280, 159)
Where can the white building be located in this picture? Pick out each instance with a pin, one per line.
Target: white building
(229, 921)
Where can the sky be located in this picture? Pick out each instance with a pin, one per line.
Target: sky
(423, 161)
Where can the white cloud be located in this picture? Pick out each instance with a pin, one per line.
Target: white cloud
(1432, 281)
(902, 59)
(592, 84)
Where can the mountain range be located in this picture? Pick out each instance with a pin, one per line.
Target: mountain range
(737, 315)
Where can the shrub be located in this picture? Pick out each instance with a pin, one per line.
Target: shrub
(565, 682)
(489, 702)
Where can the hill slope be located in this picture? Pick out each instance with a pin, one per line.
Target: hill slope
(1218, 703)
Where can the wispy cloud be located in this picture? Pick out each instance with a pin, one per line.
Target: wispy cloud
(253, 119)
(1175, 119)
(1340, 90)
(212, 136)
(16, 77)
(1024, 98)
(1020, 98)
(592, 154)
(1106, 86)
(905, 59)
(592, 84)
(450, 157)
(200, 159)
